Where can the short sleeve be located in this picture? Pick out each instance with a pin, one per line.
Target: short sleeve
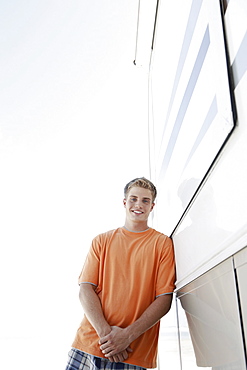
(166, 276)
(90, 271)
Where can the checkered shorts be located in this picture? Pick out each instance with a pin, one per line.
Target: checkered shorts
(79, 360)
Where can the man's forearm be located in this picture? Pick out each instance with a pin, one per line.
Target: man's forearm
(150, 316)
(93, 310)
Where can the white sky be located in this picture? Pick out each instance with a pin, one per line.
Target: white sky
(73, 131)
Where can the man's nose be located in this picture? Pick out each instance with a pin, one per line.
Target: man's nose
(138, 204)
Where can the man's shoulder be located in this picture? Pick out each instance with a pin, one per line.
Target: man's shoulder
(162, 239)
(159, 234)
(102, 240)
(107, 234)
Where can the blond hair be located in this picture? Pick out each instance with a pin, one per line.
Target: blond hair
(141, 182)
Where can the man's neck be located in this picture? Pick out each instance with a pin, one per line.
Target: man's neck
(136, 227)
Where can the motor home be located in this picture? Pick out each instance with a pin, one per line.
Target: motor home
(198, 159)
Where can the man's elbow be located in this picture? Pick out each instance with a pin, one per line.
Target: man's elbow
(166, 302)
(86, 289)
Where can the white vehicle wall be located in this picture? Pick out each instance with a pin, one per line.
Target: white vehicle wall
(198, 159)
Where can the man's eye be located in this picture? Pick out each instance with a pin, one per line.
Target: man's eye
(133, 199)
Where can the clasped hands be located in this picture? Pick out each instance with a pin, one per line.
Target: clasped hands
(115, 345)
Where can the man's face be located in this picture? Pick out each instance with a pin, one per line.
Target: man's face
(138, 204)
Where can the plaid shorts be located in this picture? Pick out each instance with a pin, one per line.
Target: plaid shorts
(79, 360)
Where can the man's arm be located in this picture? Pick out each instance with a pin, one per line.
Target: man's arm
(93, 310)
(119, 339)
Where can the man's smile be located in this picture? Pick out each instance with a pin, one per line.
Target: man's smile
(137, 212)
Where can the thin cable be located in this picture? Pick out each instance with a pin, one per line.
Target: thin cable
(137, 30)
(151, 144)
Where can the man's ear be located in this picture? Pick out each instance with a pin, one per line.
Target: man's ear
(124, 202)
(153, 204)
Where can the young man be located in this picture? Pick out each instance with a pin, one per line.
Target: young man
(126, 287)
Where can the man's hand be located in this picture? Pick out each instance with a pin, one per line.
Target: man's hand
(115, 343)
(120, 357)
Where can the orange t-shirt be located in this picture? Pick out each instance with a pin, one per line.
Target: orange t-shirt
(130, 270)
